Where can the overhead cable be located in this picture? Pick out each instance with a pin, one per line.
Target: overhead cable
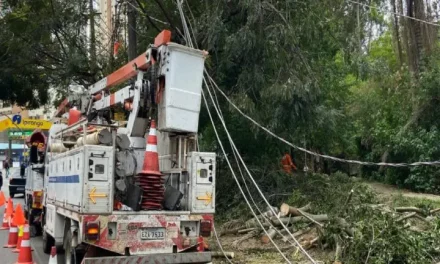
(190, 43)
(237, 157)
(256, 185)
(366, 163)
(394, 13)
(236, 180)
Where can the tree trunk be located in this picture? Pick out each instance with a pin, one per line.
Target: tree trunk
(132, 38)
(286, 209)
(92, 38)
(397, 33)
(296, 219)
(271, 233)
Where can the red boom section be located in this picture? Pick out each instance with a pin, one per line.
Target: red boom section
(125, 73)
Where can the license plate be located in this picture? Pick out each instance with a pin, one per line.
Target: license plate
(153, 234)
(20, 189)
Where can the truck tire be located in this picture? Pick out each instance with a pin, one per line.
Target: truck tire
(48, 242)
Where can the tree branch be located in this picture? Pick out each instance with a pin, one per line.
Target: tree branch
(147, 16)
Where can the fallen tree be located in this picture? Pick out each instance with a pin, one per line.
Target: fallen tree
(346, 216)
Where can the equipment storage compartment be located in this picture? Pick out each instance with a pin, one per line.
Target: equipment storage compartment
(179, 106)
(202, 182)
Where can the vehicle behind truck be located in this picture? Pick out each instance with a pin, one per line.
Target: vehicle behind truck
(104, 201)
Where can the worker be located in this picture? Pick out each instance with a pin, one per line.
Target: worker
(6, 166)
(287, 163)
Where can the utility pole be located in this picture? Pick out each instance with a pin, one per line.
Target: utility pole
(92, 38)
(131, 16)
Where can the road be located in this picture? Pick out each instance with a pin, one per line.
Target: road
(6, 255)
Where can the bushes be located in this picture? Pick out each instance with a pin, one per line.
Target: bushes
(378, 235)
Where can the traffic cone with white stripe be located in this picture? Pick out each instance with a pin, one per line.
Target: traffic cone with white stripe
(7, 215)
(151, 158)
(5, 225)
(150, 178)
(13, 237)
(53, 256)
(25, 255)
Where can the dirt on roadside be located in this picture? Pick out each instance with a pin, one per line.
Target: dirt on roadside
(386, 191)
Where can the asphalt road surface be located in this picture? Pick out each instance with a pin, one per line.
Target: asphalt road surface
(6, 255)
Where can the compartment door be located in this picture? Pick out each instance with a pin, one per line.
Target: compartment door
(203, 185)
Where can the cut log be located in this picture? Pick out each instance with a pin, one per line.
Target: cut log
(422, 218)
(286, 209)
(400, 219)
(230, 231)
(297, 234)
(271, 233)
(306, 215)
(219, 254)
(275, 209)
(309, 243)
(433, 211)
(409, 209)
(247, 230)
(296, 219)
(252, 223)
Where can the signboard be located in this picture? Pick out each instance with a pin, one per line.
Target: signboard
(119, 116)
(16, 135)
(24, 123)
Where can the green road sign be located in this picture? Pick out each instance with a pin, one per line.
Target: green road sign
(16, 135)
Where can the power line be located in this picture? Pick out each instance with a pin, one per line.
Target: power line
(220, 114)
(152, 18)
(256, 185)
(419, 163)
(394, 13)
(236, 179)
(237, 157)
(189, 41)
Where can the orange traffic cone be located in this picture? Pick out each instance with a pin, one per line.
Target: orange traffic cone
(20, 238)
(5, 225)
(201, 244)
(18, 218)
(53, 256)
(150, 179)
(2, 199)
(13, 237)
(151, 158)
(9, 209)
(25, 255)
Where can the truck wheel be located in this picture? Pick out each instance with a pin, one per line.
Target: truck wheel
(48, 242)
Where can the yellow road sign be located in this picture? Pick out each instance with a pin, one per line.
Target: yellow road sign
(93, 195)
(207, 198)
(26, 124)
(4, 124)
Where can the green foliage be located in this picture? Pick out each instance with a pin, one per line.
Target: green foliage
(377, 235)
(381, 239)
(390, 117)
